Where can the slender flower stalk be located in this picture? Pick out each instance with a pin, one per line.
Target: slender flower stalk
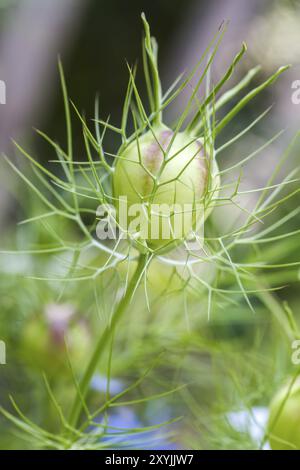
(103, 340)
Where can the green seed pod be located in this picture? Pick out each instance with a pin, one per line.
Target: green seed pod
(283, 425)
(44, 339)
(171, 178)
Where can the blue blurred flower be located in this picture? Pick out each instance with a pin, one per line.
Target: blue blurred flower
(125, 429)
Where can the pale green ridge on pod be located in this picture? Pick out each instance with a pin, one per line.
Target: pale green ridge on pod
(151, 172)
(284, 419)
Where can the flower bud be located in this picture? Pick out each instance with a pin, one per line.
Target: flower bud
(170, 177)
(44, 339)
(283, 426)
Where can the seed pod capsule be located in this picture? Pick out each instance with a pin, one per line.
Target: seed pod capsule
(167, 180)
(283, 425)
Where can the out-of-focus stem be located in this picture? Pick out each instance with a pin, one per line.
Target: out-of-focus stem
(102, 342)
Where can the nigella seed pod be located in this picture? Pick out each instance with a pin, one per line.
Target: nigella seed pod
(170, 177)
(283, 425)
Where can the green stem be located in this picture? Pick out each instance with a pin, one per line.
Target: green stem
(152, 51)
(102, 342)
(269, 300)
